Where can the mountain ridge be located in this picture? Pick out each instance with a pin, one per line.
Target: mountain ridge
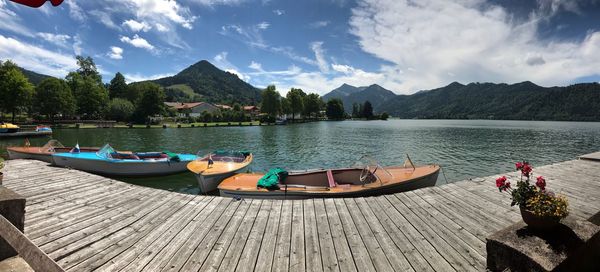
(211, 84)
(519, 101)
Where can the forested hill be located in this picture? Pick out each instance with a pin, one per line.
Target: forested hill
(521, 101)
(376, 94)
(34, 78)
(211, 84)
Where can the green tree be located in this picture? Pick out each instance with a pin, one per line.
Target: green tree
(271, 104)
(355, 110)
(91, 97)
(312, 105)
(87, 68)
(335, 109)
(16, 92)
(384, 116)
(53, 96)
(367, 110)
(151, 101)
(286, 107)
(137, 89)
(120, 109)
(117, 87)
(295, 98)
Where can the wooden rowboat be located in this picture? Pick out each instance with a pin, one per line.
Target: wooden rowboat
(42, 153)
(224, 164)
(347, 182)
(109, 162)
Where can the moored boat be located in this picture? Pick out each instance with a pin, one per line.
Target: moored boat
(370, 180)
(8, 128)
(211, 169)
(42, 153)
(109, 162)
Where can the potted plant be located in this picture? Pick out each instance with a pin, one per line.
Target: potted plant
(540, 208)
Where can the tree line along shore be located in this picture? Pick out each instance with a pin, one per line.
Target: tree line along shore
(82, 95)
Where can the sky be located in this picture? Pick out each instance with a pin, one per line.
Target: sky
(316, 45)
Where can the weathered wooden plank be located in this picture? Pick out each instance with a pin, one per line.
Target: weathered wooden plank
(247, 260)
(376, 253)
(442, 246)
(264, 261)
(360, 253)
(281, 260)
(233, 255)
(414, 236)
(392, 252)
(297, 254)
(157, 236)
(342, 248)
(35, 257)
(229, 234)
(177, 252)
(235, 212)
(123, 238)
(328, 255)
(410, 251)
(311, 238)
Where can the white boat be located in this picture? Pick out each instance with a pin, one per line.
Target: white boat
(211, 169)
(109, 162)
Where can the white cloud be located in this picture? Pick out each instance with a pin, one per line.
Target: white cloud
(212, 3)
(317, 48)
(75, 12)
(115, 53)
(252, 36)
(279, 12)
(136, 26)
(104, 18)
(161, 28)
(77, 42)
(221, 61)
(136, 77)
(436, 42)
(256, 66)
(57, 39)
(319, 24)
(263, 25)
(36, 58)
(162, 12)
(138, 42)
(11, 22)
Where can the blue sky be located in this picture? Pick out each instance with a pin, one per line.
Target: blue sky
(317, 45)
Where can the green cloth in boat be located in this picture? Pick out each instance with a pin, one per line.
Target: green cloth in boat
(271, 179)
(172, 156)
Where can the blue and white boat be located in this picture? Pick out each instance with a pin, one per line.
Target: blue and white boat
(107, 161)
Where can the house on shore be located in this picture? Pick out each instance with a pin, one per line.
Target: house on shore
(194, 109)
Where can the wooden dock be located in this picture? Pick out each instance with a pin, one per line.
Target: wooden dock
(23, 134)
(87, 222)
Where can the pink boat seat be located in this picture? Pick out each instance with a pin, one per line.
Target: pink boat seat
(330, 179)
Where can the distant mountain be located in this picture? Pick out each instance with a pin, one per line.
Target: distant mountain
(521, 101)
(343, 91)
(206, 82)
(375, 94)
(34, 78)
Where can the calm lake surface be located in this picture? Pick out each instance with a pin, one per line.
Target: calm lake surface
(464, 148)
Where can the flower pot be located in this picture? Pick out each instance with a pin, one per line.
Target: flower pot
(539, 222)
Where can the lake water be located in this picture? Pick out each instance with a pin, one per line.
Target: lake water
(464, 148)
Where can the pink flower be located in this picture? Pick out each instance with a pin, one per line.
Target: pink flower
(526, 169)
(541, 183)
(519, 165)
(506, 186)
(501, 181)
